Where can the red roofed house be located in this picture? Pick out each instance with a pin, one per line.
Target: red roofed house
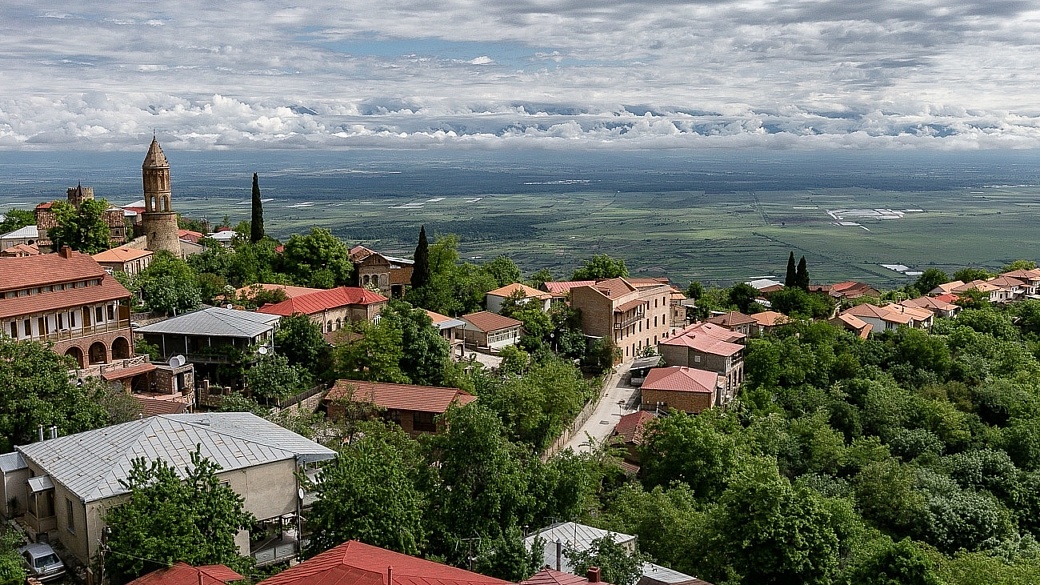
(331, 309)
(66, 298)
(1029, 278)
(847, 290)
(768, 320)
(561, 291)
(391, 276)
(682, 388)
(938, 306)
(706, 346)
(20, 251)
(854, 324)
(629, 431)
(415, 408)
(185, 574)
(523, 293)
(357, 563)
(1009, 288)
(488, 330)
(882, 318)
(633, 315)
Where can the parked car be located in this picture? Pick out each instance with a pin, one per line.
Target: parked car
(43, 563)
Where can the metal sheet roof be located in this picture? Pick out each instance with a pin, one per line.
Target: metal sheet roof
(91, 464)
(216, 322)
(577, 536)
(39, 484)
(11, 462)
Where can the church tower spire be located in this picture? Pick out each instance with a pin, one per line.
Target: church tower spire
(159, 220)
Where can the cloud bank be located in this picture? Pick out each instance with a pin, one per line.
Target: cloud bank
(954, 74)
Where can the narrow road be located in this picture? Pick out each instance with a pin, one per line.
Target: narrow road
(601, 423)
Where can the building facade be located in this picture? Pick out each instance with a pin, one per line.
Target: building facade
(158, 220)
(631, 315)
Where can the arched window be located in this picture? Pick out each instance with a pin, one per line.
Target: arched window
(98, 353)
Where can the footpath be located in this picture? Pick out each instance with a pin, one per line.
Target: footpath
(601, 423)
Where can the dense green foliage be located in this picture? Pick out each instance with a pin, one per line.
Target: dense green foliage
(167, 519)
(83, 229)
(15, 219)
(599, 267)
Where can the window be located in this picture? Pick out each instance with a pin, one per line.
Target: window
(696, 359)
(61, 320)
(99, 316)
(423, 421)
(70, 518)
(14, 330)
(27, 328)
(111, 313)
(72, 319)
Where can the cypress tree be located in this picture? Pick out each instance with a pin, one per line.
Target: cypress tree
(421, 268)
(792, 278)
(257, 221)
(802, 276)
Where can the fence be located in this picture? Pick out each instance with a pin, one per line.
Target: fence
(583, 416)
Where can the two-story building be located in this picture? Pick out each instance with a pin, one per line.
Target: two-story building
(66, 298)
(390, 275)
(521, 293)
(631, 315)
(66, 485)
(124, 259)
(710, 347)
(414, 408)
(453, 331)
(687, 389)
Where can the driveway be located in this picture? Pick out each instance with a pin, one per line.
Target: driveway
(605, 417)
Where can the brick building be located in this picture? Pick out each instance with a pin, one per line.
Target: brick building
(414, 408)
(331, 309)
(633, 315)
(681, 388)
(390, 275)
(710, 347)
(113, 217)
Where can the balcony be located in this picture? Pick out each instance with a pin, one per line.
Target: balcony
(87, 331)
(632, 320)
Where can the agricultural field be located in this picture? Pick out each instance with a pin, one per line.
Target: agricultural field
(717, 218)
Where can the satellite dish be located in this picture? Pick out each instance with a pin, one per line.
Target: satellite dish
(262, 350)
(230, 306)
(300, 493)
(177, 361)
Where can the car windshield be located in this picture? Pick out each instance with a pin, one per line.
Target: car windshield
(44, 561)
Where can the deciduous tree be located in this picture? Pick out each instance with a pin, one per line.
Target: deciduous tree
(16, 219)
(599, 267)
(617, 565)
(83, 229)
(317, 259)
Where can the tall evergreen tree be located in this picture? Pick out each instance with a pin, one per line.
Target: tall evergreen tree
(792, 277)
(257, 222)
(421, 269)
(802, 275)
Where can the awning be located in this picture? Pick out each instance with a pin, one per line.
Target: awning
(130, 372)
(39, 484)
(630, 305)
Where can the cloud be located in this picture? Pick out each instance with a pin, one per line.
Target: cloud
(565, 74)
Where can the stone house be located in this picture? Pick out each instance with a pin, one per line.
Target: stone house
(331, 309)
(631, 315)
(706, 346)
(390, 275)
(679, 387)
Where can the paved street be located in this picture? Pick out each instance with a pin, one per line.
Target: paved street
(607, 413)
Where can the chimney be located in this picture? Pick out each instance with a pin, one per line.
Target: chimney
(65, 252)
(39, 431)
(559, 555)
(390, 575)
(54, 431)
(593, 575)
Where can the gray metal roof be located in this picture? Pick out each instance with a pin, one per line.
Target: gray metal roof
(40, 483)
(665, 575)
(11, 462)
(91, 464)
(29, 231)
(215, 322)
(573, 535)
(449, 324)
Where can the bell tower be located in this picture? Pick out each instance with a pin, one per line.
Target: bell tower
(159, 220)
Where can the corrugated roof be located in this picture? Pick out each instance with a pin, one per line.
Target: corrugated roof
(323, 300)
(17, 273)
(40, 483)
(487, 321)
(578, 536)
(681, 379)
(11, 462)
(216, 322)
(399, 396)
(185, 574)
(29, 231)
(657, 574)
(108, 290)
(356, 563)
(91, 464)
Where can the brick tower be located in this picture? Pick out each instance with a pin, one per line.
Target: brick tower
(159, 220)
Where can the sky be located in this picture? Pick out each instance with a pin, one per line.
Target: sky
(553, 74)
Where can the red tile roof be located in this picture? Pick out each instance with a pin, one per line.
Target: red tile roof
(623, 307)
(874, 312)
(630, 426)
(185, 574)
(108, 290)
(552, 577)
(708, 338)
(399, 396)
(770, 318)
(356, 563)
(316, 302)
(681, 379)
(488, 322)
(614, 287)
(564, 287)
(21, 250)
(189, 235)
(121, 254)
(16, 273)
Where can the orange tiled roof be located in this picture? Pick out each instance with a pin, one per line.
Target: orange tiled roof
(21, 250)
(564, 287)
(45, 269)
(770, 318)
(356, 563)
(732, 319)
(121, 254)
(399, 396)
(316, 302)
(857, 325)
(630, 426)
(614, 287)
(883, 313)
(681, 379)
(487, 321)
(528, 292)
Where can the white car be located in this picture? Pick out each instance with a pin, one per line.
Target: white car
(43, 563)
